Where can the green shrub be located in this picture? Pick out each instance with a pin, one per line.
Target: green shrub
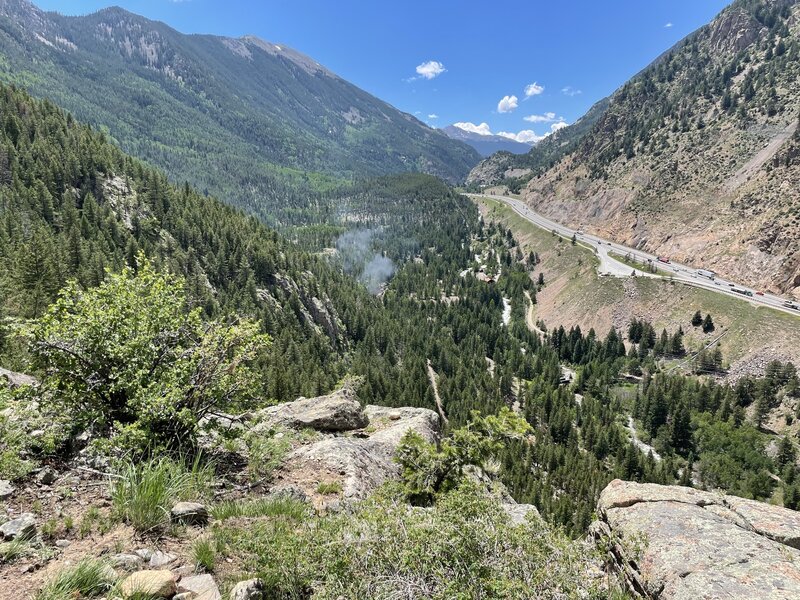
(143, 491)
(129, 356)
(465, 546)
(428, 469)
(88, 579)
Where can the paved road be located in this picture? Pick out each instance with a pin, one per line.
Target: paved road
(609, 266)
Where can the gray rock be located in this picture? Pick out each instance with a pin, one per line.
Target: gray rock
(161, 559)
(12, 379)
(23, 527)
(699, 544)
(145, 553)
(518, 513)
(339, 411)
(189, 513)
(360, 464)
(252, 589)
(62, 543)
(289, 492)
(127, 562)
(202, 586)
(46, 476)
(184, 596)
(6, 489)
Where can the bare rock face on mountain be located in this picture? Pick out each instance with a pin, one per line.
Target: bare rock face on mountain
(678, 543)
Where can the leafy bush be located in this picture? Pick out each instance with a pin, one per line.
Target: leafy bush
(464, 547)
(130, 355)
(144, 492)
(427, 470)
(19, 451)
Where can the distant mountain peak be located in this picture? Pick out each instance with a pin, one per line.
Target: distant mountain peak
(485, 143)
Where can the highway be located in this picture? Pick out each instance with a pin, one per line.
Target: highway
(611, 267)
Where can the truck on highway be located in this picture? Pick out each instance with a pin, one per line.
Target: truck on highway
(742, 292)
(792, 305)
(706, 273)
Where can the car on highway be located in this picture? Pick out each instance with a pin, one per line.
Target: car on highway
(759, 293)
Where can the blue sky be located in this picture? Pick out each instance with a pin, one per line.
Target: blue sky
(568, 54)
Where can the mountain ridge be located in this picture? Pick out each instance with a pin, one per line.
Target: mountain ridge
(176, 100)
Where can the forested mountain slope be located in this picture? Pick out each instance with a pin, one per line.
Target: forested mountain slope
(696, 156)
(247, 120)
(72, 205)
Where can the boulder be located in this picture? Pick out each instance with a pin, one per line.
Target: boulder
(252, 589)
(361, 463)
(161, 559)
(202, 587)
(158, 584)
(189, 513)
(339, 411)
(127, 562)
(46, 476)
(676, 543)
(6, 489)
(23, 527)
(518, 513)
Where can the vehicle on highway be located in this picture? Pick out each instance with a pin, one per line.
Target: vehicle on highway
(706, 273)
(741, 291)
(663, 259)
(792, 305)
(579, 232)
(759, 293)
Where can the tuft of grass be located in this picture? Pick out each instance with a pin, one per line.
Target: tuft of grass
(89, 578)
(329, 487)
(204, 554)
(11, 551)
(262, 507)
(145, 491)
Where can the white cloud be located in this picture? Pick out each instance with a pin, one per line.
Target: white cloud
(526, 136)
(570, 91)
(507, 104)
(533, 89)
(547, 117)
(556, 126)
(482, 129)
(430, 69)
(668, 25)
(433, 116)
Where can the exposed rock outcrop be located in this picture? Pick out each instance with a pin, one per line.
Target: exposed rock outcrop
(362, 462)
(697, 544)
(339, 411)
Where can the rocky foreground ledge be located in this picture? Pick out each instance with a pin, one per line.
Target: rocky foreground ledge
(678, 543)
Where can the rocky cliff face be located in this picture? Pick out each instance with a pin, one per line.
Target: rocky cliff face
(677, 543)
